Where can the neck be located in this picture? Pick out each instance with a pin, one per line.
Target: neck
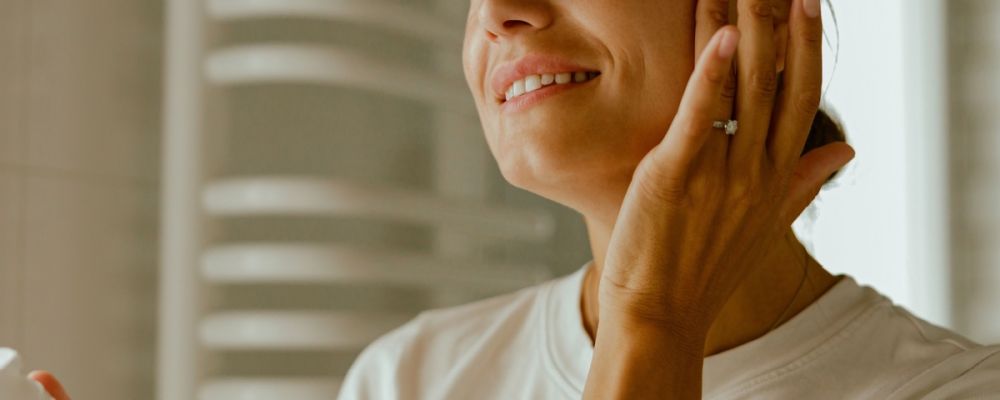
(773, 293)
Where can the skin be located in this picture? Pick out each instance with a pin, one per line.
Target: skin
(689, 229)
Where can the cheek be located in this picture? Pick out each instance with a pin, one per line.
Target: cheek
(647, 48)
(651, 58)
(474, 66)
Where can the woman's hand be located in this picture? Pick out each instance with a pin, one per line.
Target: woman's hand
(50, 383)
(704, 207)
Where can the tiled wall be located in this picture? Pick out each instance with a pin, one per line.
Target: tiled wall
(975, 153)
(79, 155)
(79, 160)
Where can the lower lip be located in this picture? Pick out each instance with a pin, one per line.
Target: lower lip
(526, 101)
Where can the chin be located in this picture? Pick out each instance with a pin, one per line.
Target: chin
(530, 167)
(571, 150)
(566, 173)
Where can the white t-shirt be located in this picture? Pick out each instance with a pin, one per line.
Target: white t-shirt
(531, 344)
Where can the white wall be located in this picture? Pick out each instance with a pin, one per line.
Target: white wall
(863, 225)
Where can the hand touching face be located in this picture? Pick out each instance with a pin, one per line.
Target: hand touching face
(578, 143)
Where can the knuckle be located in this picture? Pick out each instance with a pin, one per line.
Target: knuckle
(807, 102)
(715, 76)
(660, 186)
(812, 34)
(761, 10)
(729, 88)
(665, 192)
(796, 176)
(715, 12)
(703, 190)
(693, 123)
(744, 192)
(737, 193)
(763, 83)
(718, 14)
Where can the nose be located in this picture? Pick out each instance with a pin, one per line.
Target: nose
(504, 19)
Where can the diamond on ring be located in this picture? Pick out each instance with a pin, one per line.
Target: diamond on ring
(730, 126)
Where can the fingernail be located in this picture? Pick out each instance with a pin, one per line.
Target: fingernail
(727, 44)
(811, 7)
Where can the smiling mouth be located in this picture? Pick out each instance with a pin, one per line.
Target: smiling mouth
(532, 83)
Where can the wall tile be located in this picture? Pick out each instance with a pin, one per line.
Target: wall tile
(94, 87)
(13, 14)
(975, 55)
(10, 263)
(90, 257)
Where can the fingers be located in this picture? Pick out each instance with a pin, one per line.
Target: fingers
(758, 83)
(50, 383)
(797, 104)
(702, 98)
(710, 16)
(811, 172)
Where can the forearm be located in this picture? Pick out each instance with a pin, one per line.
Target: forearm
(642, 362)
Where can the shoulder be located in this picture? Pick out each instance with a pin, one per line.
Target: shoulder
(436, 340)
(953, 366)
(972, 373)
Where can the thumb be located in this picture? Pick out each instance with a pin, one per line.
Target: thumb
(810, 174)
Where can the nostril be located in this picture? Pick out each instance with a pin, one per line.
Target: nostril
(514, 23)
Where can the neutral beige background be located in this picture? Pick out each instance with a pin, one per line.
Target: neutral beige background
(975, 106)
(79, 162)
(79, 151)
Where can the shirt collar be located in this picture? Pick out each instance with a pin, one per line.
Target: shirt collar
(569, 350)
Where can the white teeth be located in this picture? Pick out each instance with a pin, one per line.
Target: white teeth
(532, 83)
(518, 88)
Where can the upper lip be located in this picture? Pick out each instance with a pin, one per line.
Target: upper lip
(532, 64)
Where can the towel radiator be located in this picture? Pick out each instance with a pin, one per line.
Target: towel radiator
(202, 260)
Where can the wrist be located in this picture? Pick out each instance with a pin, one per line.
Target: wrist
(687, 327)
(634, 361)
(639, 333)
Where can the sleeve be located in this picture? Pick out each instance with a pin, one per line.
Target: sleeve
(370, 375)
(374, 374)
(981, 381)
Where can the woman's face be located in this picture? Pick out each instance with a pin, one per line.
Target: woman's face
(567, 140)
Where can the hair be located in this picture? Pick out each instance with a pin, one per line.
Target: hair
(825, 129)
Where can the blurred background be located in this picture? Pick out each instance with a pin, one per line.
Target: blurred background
(227, 199)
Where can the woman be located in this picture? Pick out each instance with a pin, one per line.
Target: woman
(698, 286)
